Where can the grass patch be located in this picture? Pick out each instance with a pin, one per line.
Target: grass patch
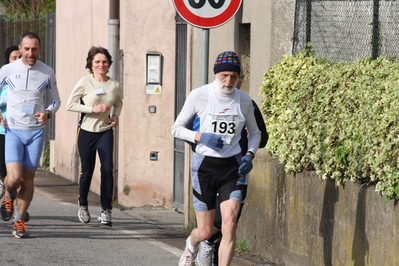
(242, 246)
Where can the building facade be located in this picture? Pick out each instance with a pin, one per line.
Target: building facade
(291, 220)
(145, 169)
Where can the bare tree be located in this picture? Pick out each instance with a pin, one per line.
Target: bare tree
(17, 7)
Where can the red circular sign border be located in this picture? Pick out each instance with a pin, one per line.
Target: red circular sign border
(207, 22)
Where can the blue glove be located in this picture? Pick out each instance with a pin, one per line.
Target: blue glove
(211, 140)
(246, 165)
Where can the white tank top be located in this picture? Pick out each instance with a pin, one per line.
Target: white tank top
(224, 120)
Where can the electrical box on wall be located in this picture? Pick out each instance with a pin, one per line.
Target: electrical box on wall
(152, 109)
(153, 73)
(154, 156)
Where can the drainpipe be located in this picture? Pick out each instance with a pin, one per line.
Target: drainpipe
(113, 37)
(113, 48)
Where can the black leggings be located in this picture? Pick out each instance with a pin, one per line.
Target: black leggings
(3, 169)
(88, 144)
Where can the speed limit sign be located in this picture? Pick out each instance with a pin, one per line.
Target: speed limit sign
(207, 13)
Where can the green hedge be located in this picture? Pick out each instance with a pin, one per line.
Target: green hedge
(339, 119)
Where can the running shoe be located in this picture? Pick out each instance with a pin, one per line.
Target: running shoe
(6, 209)
(20, 229)
(84, 214)
(188, 257)
(205, 254)
(2, 189)
(105, 217)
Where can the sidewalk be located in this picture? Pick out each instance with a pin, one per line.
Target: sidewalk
(168, 222)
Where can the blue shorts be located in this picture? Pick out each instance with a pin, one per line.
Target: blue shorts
(212, 177)
(24, 146)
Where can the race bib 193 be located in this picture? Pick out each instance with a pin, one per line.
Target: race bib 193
(223, 125)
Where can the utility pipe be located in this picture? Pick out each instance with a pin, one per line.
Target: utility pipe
(113, 49)
(113, 37)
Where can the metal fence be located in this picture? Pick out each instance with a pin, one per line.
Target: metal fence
(11, 30)
(349, 29)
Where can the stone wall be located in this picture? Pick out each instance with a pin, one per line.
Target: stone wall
(302, 220)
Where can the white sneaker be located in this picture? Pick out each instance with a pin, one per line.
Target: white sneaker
(187, 258)
(205, 254)
(84, 214)
(2, 189)
(105, 217)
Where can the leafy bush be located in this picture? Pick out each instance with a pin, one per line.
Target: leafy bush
(339, 119)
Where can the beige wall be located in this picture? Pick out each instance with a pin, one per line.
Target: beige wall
(79, 25)
(145, 27)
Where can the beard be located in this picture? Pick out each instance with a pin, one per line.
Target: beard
(223, 88)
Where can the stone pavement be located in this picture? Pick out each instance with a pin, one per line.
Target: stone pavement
(169, 223)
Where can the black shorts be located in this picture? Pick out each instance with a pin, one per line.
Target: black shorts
(210, 176)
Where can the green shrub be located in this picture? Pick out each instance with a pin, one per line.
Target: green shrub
(339, 119)
(46, 156)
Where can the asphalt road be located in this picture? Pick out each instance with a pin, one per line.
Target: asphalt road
(142, 236)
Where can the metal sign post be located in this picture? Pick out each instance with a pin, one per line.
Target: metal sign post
(206, 14)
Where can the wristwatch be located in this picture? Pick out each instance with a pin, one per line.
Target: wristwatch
(48, 114)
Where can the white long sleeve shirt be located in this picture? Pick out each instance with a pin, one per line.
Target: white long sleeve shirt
(28, 88)
(219, 114)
